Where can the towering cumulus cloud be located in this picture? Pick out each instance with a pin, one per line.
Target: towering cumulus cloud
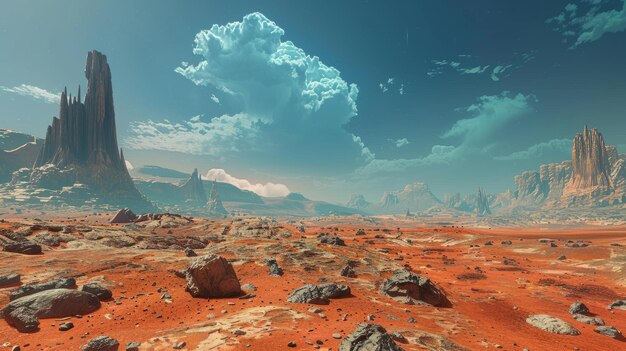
(294, 105)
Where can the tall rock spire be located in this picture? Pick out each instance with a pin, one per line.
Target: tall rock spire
(591, 169)
(84, 137)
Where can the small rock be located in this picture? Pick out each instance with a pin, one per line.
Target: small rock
(578, 308)
(609, 331)
(551, 324)
(101, 343)
(179, 345)
(336, 336)
(291, 344)
(66, 326)
(617, 304)
(101, 292)
(189, 252)
(133, 346)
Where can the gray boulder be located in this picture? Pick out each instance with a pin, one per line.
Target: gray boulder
(588, 320)
(578, 308)
(551, 324)
(609, 331)
(411, 289)
(617, 304)
(63, 283)
(9, 279)
(101, 343)
(101, 292)
(318, 294)
(124, 215)
(369, 337)
(212, 276)
(24, 313)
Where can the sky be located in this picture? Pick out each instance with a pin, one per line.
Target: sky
(330, 98)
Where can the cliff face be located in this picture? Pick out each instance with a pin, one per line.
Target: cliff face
(83, 140)
(591, 169)
(482, 203)
(214, 204)
(414, 197)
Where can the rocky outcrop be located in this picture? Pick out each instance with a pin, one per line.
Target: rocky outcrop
(62, 283)
(318, 294)
(358, 201)
(411, 289)
(17, 150)
(125, 215)
(214, 204)
(590, 163)
(454, 201)
(83, 141)
(369, 337)
(193, 190)
(212, 276)
(24, 313)
(414, 197)
(551, 324)
(482, 203)
(101, 343)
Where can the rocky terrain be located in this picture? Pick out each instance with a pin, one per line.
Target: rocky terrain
(329, 283)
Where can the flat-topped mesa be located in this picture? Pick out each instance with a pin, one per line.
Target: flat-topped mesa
(591, 170)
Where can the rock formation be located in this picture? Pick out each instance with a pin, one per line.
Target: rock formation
(212, 276)
(193, 189)
(411, 289)
(358, 201)
(17, 150)
(414, 197)
(482, 203)
(214, 203)
(82, 142)
(369, 336)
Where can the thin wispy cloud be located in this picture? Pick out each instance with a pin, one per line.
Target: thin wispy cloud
(268, 189)
(34, 92)
(563, 146)
(589, 20)
(470, 65)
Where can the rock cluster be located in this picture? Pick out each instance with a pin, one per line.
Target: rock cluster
(369, 337)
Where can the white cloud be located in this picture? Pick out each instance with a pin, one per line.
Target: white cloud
(539, 150)
(217, 137)
(286, 95)
(389, 84)
(468, 65)
(591, 24)
(401, 142)
(215, 99)
(476, 134)
(34, 92)
(267, 189)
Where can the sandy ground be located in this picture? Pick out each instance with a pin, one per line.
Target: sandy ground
(491, 297)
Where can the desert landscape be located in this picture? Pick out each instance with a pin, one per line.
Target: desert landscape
(251, 225)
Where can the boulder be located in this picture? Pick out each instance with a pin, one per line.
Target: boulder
(348, 272)
(274, 268)
(101, 292)
(318, 294)
(578, 308)
(551, 324)
(23, 247)
(24, 313)
(617, 304)
(63, 283)
(609, 331)
(101, 343)
(212, 276)
(588, 320)
(9, 279)
(369, 337)
(411, 289)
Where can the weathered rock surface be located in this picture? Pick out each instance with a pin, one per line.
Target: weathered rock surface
(551, 324)
(318, 294)
(369, 337)
(212, 276)
(609, 331)
(617, 304)
(101, 343)
(24, 313)
(590, 164)
(101, 292)
(63, 283)
(9, 279)
(412, 289)
(22, 247)
(578, 308)
(588, 320)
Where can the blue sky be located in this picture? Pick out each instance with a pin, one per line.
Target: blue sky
(330, 98)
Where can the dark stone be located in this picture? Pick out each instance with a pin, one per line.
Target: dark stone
(609, 331)
(9, 279)
(274, 268)
(190, 253)
(101, 343)
(63, 283)
(23, 247)
(318, 294)
(348, 271)
(124, 215)
(212, 276)
(369, 337)
(66, 326)
(578, 308)
(101, 292)
(24, 313)
(412, 289)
